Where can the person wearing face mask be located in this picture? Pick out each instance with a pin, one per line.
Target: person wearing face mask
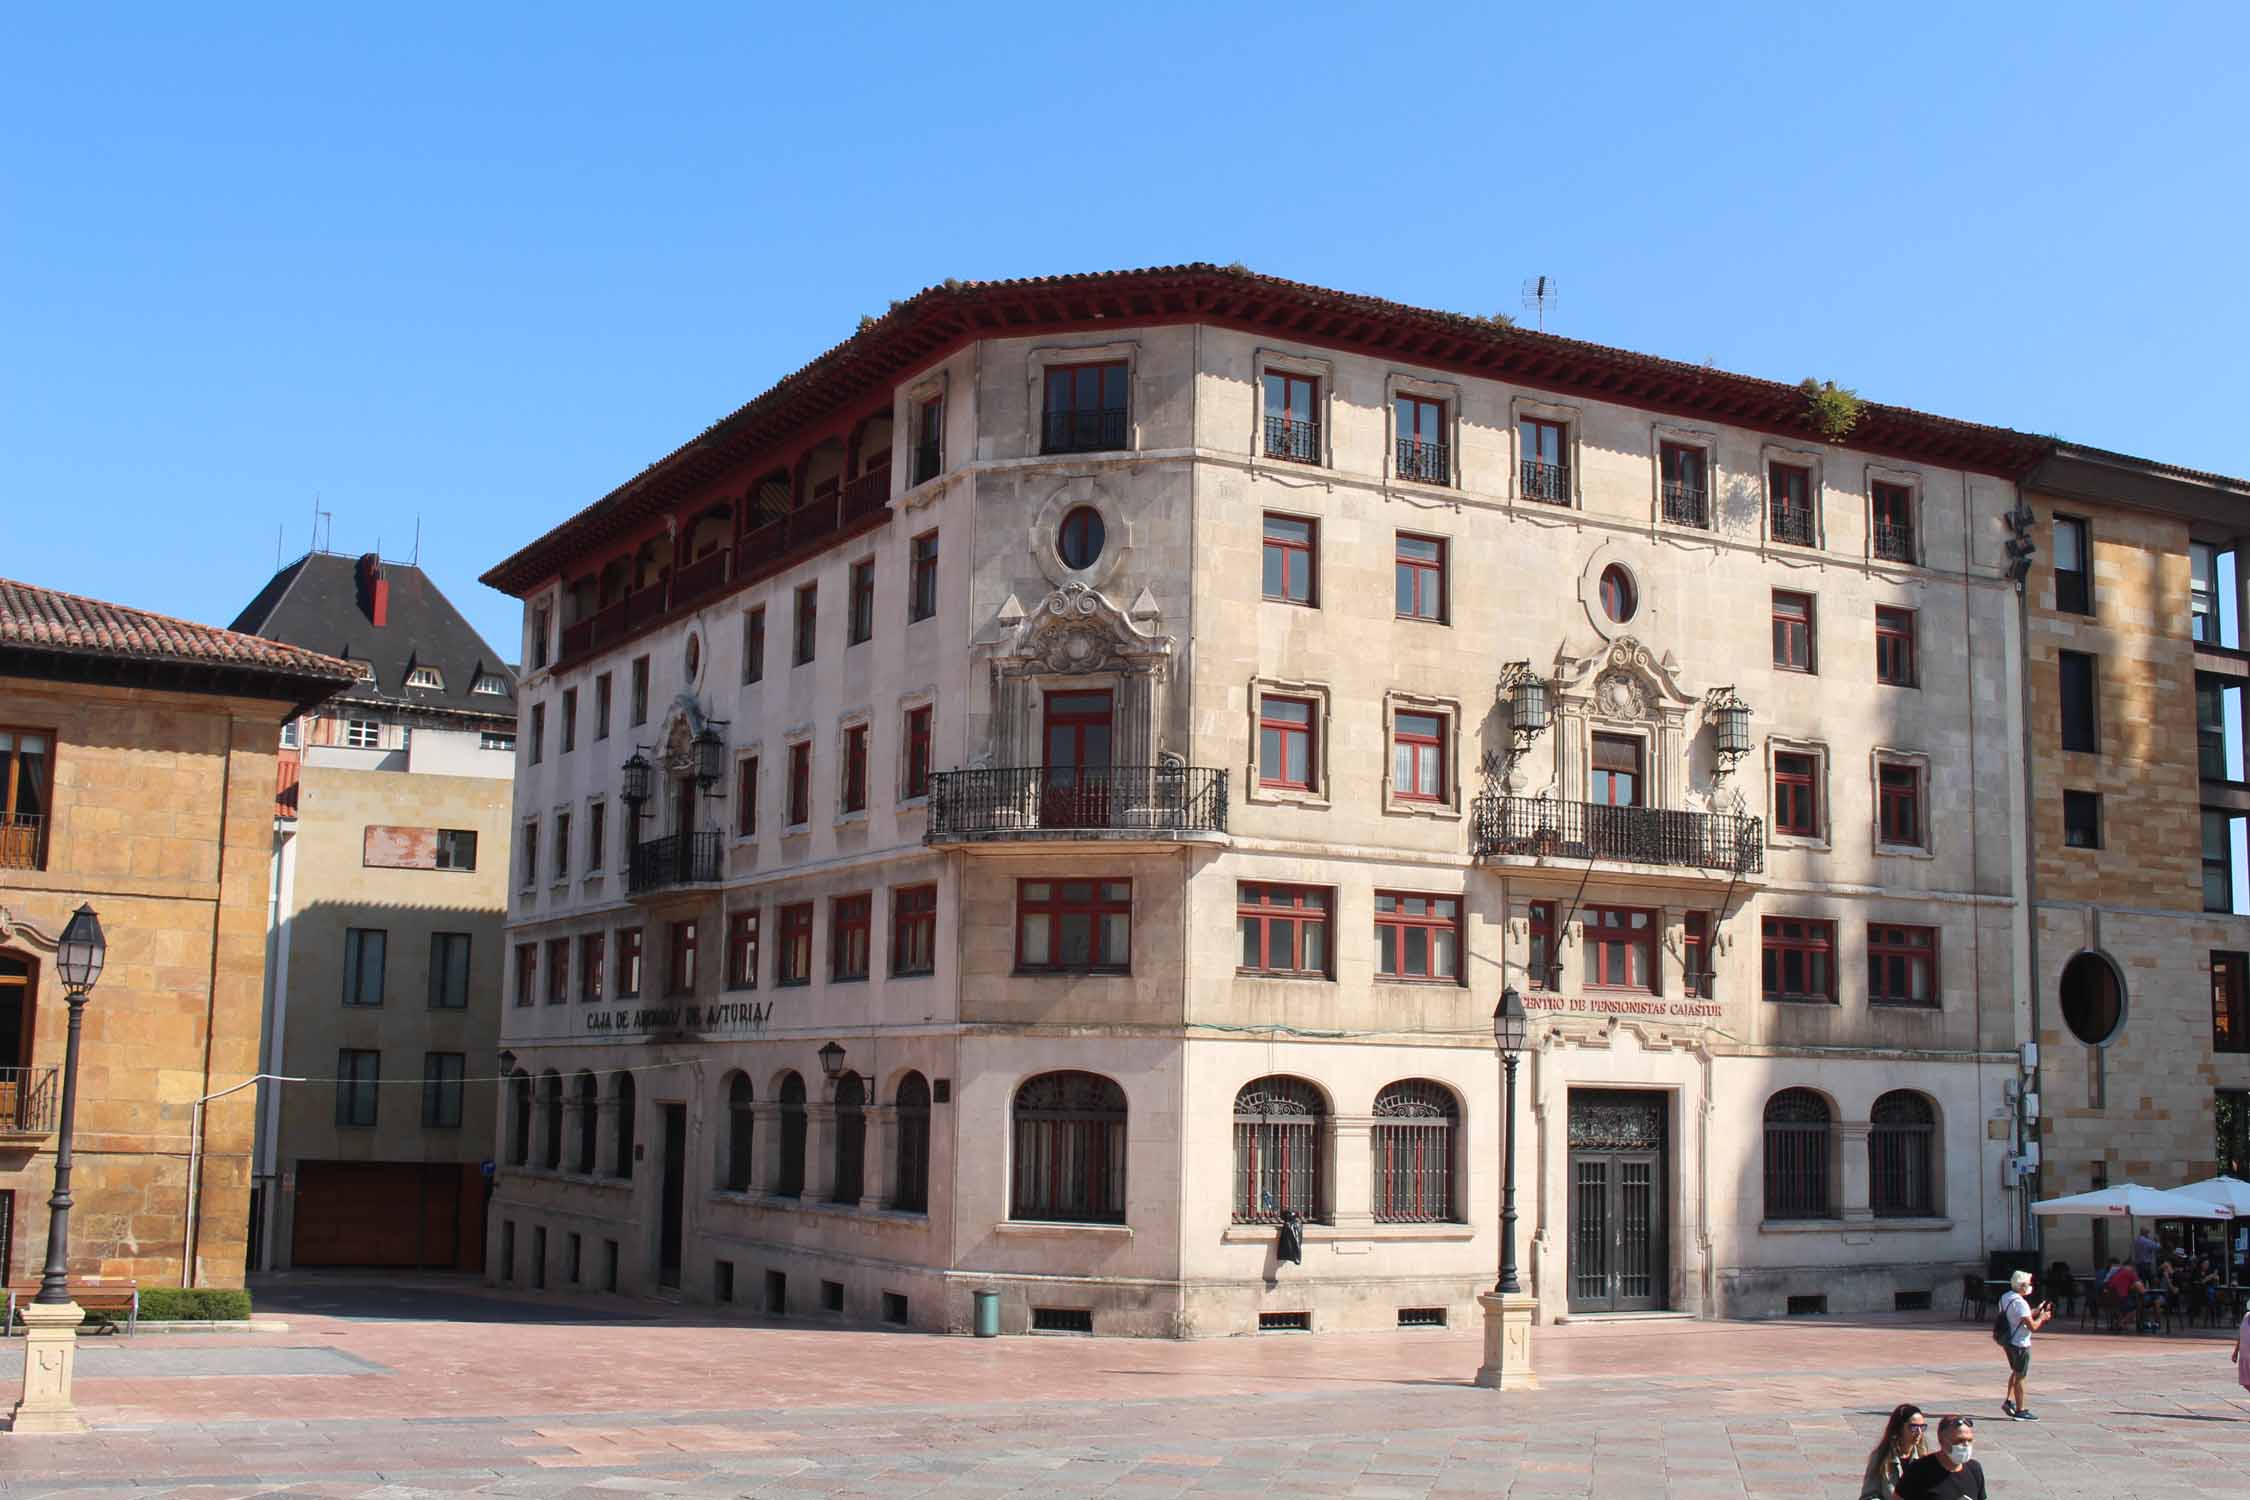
(1951, 1473)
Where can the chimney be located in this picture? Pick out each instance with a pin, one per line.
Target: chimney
(374, 591)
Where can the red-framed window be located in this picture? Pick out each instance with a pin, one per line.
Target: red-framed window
(807, 627)
(861, 619)
(1796, 794)
(1539, 961)
(929, 438)
(1425, 452)
(1898, 803)
(742, 950)
(1893, 507)
(592, 960)
(746, 796)
(629, 963)
(597, 836)
(1799, 959)
(1619, 599)
(753, 646)
(850, 925)
(1420, 577)
(1545, 466)
(1291, 558)
(1616, 771)
(1695, 952)
(800, 785)
(1894, 647)
(1292, 425)
(914, 929)
(1901, 965)
(1079, 540)
(527, 973)
(1418, 757)
(538, 732)
(1789, 516)
(792, 953)
(1074, 926)
(1793, 631)
(558, 971)
(854, 789)
(1284, 929)
(1086, 410)
(680, 978)
(2230, 1002)
(917, 741)
(637, 707)
(1620, 943)
(921, 577)
(1286, 750)
(1417, 937)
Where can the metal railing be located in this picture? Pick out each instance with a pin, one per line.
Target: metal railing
(20, 842)
(1539, 827)
(1547, 483)
(1428, 463)
(674, 860)
(866, 495)
(1299, 442)
(1794, 524)
(1095, 430)
(1045, 801)
(1894, 543)
(1686, 504)
(30, 1100)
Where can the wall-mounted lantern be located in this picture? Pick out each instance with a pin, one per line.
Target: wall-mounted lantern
(710, 755)
(638, 773)
(1730, 728)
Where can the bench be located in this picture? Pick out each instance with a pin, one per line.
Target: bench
(99, 1296)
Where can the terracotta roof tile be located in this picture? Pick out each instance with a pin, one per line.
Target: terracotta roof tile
(48, 620)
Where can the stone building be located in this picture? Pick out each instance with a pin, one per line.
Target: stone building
(2135, 671)
(137, 768)
(390, 859)
(1062, 781)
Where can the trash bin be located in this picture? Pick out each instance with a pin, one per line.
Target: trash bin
(988, 1313)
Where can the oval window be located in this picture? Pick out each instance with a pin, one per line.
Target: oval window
(1080, 542)
(694, 654)
(1618, 597)
(2093, 999)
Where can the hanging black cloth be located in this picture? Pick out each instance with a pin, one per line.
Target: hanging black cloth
(1289, 1241)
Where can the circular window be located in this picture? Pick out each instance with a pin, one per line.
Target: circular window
(2093, 999)
(694, 654)
(1080, 541)
(1619, 599)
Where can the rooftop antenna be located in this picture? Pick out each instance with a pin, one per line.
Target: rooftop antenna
(1539, 295)
(417, 560)
(278, 529)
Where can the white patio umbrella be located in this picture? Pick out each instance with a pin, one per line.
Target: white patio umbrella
(2123, 1200)
(2231, 1191)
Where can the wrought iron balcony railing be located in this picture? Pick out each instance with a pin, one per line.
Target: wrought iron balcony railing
(22, 845)
(1894, 543)
(30, 1101)
(1794, 524)
(1548, 483)
(1096, 430)
(1299, 442)
(1539, 827)
(1686, 504)
(1031, 802)
(676, 859)
(1428, 463)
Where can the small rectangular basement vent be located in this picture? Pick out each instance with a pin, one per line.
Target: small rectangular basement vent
(1062, 1320)
(1285, 1322)
(1808, 1307)
(894, 1307)
(1421, 1317)
(1910, 1302)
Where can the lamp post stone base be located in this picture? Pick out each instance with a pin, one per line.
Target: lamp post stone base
(50, 1353)
(1507, 1342)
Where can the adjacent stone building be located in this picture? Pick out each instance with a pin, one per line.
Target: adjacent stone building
(1058, 786)
(390, 859)
(137, 767)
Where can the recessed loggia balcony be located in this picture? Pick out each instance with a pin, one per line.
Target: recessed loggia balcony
(1543, 830)
(1077, 802)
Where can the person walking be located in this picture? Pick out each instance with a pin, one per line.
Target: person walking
(1951, 1473)
(1903, 1442)
(2242, 1352)
(2023, 1320)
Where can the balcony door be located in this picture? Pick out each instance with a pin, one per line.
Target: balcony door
(1078, 732)
(16, 993)
(1614, 788)
(683, 807)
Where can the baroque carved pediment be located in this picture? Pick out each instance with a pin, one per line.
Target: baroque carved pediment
(1077, 629)
(1624, 680)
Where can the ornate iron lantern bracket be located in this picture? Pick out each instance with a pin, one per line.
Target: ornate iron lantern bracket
(1730, 728)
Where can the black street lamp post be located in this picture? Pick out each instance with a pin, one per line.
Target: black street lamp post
(1509, 1025)
(78, 958)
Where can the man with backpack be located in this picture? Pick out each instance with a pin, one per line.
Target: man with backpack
(2012, 1329)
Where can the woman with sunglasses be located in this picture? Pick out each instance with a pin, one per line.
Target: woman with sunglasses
(1903, 1442)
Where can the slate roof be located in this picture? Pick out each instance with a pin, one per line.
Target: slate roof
(57, 634)
(314, 603)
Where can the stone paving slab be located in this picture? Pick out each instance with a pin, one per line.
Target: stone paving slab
(136, 1361)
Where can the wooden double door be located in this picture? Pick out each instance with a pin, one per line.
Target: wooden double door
(1619, 1207)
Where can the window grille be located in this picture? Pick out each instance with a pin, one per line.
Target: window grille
(1413, 1142)
(1279, 1143)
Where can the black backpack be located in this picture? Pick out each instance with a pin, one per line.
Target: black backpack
(2002, 1329)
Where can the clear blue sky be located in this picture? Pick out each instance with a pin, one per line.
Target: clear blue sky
(480, 268)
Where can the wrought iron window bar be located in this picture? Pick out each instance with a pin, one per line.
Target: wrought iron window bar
(1095, 430)
(1794, 524)
(1045, 801)
(1894, 543)
(1425, 462)
(1686, 504)
(676, 859)
(1540, 827)
(1299, 442)
(1547, 483)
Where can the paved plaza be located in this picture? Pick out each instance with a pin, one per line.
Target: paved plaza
(403, 1390)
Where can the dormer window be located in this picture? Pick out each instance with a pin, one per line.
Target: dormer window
(491, 682)
(365, 669)
(426, 677)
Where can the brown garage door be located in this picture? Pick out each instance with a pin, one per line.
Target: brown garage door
(408, 1215)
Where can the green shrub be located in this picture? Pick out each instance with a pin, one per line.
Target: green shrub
(1832, 409)
(173, 1304)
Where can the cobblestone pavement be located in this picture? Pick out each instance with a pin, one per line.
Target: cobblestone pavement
(690, 1404)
